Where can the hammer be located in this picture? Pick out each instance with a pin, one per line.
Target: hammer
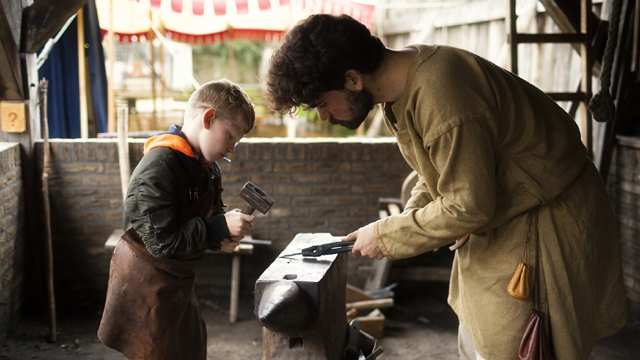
(256, 199)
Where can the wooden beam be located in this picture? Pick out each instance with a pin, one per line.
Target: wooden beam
(43, 19)
(10, 70)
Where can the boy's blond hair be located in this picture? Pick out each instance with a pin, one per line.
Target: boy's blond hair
(225, 98)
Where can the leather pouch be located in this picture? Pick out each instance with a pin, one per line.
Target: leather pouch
(534, 344)
(519, 285)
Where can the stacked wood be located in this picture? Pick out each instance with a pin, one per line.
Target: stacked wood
(366, 310)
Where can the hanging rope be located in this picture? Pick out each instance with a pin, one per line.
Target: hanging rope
(601, 105)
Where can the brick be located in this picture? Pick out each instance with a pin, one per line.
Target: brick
(292, 167)
(363, 210)
(78, 151)
(82, 168)
(252, 167)
(630, 187)
(8, 178)
(332, 189)
(292, 190)
(325, 152)
(289, 212)
(331, 166)
(349, 178)
(112, 168)
(311, 178)
(270, 179)
(328, 211)
(369, 167)
(101, 180)
(348, 200)
(372, 189)
(351, 224)
(309, 225)
(275, 223)
(309, 200)
(81, 192)
(284, 151)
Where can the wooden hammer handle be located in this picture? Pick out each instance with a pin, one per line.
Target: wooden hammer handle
(248, 210)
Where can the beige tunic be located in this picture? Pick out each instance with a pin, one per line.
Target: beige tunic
(488, 146)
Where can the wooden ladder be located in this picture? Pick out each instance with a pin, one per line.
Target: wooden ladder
(582, 38)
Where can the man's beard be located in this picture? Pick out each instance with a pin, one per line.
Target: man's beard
(359, 104)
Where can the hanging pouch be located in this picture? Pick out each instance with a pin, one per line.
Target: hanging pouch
(519, 285)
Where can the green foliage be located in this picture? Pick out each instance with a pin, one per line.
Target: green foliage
(212, 61)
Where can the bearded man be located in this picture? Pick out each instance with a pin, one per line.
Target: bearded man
(492, 153)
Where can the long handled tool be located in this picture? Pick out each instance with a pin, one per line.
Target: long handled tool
(47, 212)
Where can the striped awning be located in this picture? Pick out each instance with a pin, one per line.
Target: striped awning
(211, 21)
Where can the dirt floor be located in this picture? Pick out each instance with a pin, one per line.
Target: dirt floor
(420, 327)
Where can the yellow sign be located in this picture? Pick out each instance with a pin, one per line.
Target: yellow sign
(13, 117)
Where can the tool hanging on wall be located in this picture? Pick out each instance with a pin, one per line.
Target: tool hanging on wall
(43, 86)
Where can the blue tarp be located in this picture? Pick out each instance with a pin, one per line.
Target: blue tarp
(61, 70)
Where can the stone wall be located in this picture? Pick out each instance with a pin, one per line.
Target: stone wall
(330, 186)
(624, 189)
(11, 238)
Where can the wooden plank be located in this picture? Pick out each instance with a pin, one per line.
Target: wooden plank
(370, 304)
(550, 38)
(43, 19)
(10, 70)
(354, 294)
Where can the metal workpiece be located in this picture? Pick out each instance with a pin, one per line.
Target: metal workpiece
(301, 303)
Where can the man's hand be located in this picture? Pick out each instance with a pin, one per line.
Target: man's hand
(238, 223)
(229, 244)
(365, 244)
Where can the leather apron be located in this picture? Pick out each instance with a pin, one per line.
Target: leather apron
(151, 310)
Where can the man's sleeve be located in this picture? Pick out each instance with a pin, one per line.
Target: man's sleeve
(465, 199)
(420, 195)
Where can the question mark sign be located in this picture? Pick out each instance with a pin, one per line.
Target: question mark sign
(13, 116)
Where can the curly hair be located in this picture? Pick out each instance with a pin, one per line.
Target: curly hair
(314, 57)
(226, 97)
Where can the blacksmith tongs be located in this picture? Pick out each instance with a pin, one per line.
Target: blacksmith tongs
(326, 249)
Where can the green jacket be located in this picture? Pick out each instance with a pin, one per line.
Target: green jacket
(165, 187)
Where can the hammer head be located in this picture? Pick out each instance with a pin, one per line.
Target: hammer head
(256, 198)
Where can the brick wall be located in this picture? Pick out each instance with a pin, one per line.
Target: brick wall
(11, 238)
(624, 189)
(318, 185)
(324, 185)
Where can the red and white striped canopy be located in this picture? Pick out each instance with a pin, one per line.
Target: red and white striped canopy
(211, 21)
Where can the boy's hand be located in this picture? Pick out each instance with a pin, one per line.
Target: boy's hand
(238, 223)
(229, 244)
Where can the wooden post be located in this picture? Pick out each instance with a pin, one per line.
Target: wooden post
(123, 148)
(53, 337)
(300, 303)
(82, 77)
(154, 114)
(586, 65)
(111, 102)
(235, 288)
